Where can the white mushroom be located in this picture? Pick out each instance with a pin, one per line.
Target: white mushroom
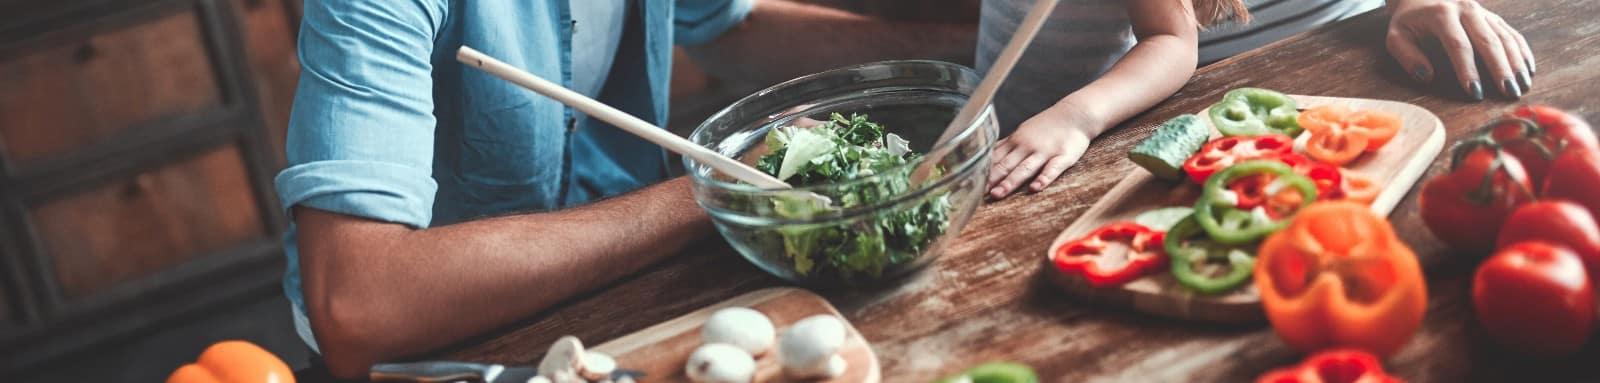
(810, 348)
(539, 379)
(720, 363)
(565, 356)
(567, 377)
(597, 366)
(625, 379)
(741, 327)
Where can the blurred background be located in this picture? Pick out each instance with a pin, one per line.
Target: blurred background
(138, 142)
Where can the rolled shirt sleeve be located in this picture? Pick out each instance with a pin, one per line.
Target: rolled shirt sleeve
(361, 133)
(700, 21)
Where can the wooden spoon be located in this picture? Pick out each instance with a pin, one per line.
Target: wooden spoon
(984, 94)
(620, 119)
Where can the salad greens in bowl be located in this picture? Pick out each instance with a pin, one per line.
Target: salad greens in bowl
(854, 136)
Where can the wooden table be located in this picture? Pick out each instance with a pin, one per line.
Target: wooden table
(988, 300)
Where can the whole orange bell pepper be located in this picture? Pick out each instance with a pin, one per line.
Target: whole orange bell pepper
(1338, 276)
(1340, 134)
(234, 361)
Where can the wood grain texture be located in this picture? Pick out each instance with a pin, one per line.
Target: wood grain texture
(143, 225)
(153, 70)
(269, 32)
(988, 300)
(1398, 164)
(661, 351)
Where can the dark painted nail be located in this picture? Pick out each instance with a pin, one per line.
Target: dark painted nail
(1475, 90)
(1529, 62)
(1511, 88)
(1526, 80)
(1421, 73)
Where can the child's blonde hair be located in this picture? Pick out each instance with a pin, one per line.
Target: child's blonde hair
(1213, 12)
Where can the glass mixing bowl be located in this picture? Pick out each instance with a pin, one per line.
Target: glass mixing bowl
(893, 227)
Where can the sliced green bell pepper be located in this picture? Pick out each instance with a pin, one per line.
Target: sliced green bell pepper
(1220, 216)
(994, 372)
(1186, 254)
(1254, 112)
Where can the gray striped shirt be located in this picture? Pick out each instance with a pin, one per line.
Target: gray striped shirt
(1084, 38)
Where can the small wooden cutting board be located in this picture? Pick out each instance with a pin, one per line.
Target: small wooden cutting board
(1399, 164)
(662, 350)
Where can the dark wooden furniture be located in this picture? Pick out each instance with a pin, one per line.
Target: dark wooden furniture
(138, 141)
(988, 299)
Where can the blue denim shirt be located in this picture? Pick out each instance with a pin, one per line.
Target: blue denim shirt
(387, 125)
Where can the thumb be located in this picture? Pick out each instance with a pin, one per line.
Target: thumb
(1403, 46)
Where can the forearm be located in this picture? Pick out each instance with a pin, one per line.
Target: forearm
(1152, 71)
(377, 291)
(781, 40)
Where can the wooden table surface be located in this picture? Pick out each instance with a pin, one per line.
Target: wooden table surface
(987, 299)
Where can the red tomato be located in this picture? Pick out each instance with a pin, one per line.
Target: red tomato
(1547, 131)
(1465, 207)
(1557, 222)
(1575, 176)
(1534, 297)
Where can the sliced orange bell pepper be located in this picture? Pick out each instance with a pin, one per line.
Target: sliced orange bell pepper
(234, 361)
(1358, 187)
(1340, 134)
(1338, 276)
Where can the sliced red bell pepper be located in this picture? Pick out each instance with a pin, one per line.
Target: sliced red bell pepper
(1224, 152)
(1327, 176)
(1358, 187)
(1089, 257)
(1332, 366)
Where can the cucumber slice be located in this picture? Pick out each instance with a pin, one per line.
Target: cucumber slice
(1164, 218)
(994, 372)
(1172, 143)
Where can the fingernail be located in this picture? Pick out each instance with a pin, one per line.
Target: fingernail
(997, 191)
(1511, 88)
(1421, 73)
(1475, 90)
(1525, 79)
(1531, 68)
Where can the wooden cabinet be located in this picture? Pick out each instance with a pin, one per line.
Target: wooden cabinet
(138, 141)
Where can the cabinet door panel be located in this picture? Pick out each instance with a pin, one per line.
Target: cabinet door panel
(156, 220)
(269, 45)
(68, 96)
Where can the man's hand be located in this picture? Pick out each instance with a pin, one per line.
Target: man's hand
(1464, 29)
(1042, 148)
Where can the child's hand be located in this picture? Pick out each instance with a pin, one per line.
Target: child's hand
(1041, 149)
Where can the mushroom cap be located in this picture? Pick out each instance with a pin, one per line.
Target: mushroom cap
(597, 366)
(720, 363)
(811, 340)
(741, 327)
(566, 354)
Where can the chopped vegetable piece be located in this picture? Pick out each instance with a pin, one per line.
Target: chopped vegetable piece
(1325, 175)
(1224, 152)
(1340, 134)
(1232, 224)
(1164, 152)
(1357, 187)
(1187, 252)
(1162, 219)
(1338, 276)
(1254, 112)
(994, 372)
(1096, 256)
(1332, 366)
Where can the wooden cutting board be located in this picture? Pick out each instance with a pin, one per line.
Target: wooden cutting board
(1399, 163)
(662, 350)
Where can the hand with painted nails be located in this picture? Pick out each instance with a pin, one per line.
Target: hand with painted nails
(1040, 150)
(1468, 33)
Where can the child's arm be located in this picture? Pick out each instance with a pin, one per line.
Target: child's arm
(1046, 145)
